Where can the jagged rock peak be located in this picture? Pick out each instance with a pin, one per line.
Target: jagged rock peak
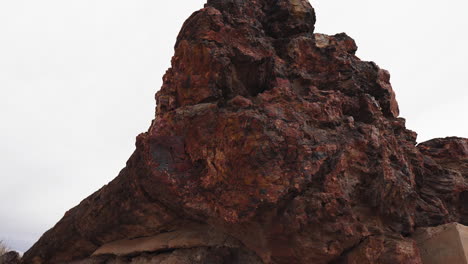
(243, 48)
(235, 43)
(278, 19)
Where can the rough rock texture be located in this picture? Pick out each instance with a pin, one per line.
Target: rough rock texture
(199, 255)
(11, 257)
(278, 138)
(192, 237)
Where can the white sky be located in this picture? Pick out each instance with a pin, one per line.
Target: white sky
(78, 78)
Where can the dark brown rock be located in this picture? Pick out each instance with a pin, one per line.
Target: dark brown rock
(383, 250)
(11, 257)
(278, 138)
(199, 255)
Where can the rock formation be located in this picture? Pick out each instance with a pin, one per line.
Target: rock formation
(11, 257)
(271, 144)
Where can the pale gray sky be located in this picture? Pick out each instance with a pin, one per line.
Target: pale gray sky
(78, 78)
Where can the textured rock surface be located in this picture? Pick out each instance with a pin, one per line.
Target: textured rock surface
(199, 255)
(443, 244)
(278, 138)
(193, 237)
(10, 257)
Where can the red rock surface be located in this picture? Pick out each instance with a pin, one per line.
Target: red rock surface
(278, 138)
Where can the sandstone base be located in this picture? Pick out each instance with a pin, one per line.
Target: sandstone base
(443, 244)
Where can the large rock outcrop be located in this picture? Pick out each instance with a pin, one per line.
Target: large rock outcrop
(279, 144)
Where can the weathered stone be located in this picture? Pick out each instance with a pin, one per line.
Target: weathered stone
(199, 255)
(194, 237)
(11, 257)
(277, 137)
(383, 250)
(443, 244)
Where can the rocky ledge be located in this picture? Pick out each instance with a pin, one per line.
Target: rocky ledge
(271, 144)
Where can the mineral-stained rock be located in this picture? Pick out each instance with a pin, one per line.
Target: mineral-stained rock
(382, 250)
(281, 140)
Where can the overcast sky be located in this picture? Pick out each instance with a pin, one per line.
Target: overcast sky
(78, 78)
